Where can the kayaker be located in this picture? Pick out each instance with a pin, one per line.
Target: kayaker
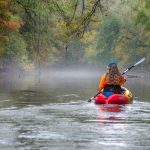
(112, 81)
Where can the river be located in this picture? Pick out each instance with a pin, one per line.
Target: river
(53, 114)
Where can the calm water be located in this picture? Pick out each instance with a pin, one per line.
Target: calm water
(55, 115)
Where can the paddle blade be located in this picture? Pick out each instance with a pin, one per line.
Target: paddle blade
(91, 99)
(140, 61)
(143, 59)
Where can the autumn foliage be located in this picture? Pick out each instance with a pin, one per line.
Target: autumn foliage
(91, 31)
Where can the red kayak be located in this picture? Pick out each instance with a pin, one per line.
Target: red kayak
(121, 99)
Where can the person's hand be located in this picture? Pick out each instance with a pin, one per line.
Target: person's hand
(100, 90)
(125, 77)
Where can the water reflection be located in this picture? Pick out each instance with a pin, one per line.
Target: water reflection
(56, 115)
(104, 118)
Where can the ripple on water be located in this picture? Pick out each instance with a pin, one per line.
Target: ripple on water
(76, 125)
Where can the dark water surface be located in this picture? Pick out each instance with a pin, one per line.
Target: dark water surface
(55, 115)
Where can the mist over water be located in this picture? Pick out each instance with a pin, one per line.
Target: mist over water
(50, 111)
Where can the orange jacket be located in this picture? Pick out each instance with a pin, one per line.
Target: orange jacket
(103, 82)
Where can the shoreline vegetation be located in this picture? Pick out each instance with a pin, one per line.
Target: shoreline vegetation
(40, 35)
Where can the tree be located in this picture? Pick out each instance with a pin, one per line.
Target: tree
(9, 21)
(107, 38)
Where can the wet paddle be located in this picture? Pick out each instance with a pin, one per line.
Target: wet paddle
(128, 69)
(139, 62)
(93, 97)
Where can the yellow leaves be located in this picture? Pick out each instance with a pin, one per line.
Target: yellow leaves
(89, 36)
(90, 52)
(43, 53)
(3, 3)
(65, 30)
(60, 36)
(2, 50)
(61, 24)
(148, 33)
(4, 8)
(68, 26)
(71, 5)
(121, 53)
(118, 51)
(28, 66)
(4, 39)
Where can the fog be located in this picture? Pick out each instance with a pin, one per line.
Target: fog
(64, 74)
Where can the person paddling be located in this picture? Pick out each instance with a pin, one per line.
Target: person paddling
(111, 82)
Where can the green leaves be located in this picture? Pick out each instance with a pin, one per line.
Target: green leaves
(107, 37)
(142, 18)
(147, 4)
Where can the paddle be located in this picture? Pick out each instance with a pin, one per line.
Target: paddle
(93, 97)
(139, 62)
(128, 69)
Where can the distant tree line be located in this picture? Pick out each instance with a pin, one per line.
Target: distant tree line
(36, 33)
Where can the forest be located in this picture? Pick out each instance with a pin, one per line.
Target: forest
(43, 33)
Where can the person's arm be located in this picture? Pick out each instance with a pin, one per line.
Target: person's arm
(102, 82)
(124, 79)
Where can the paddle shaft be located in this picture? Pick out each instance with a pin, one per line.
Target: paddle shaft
(93, 97)
(128, 69)
(137, 63)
